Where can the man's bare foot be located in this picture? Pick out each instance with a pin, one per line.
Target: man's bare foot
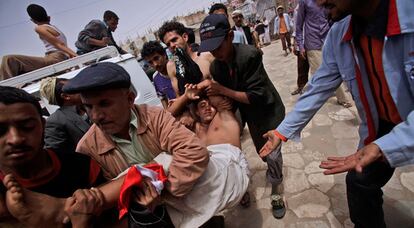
(31, 208)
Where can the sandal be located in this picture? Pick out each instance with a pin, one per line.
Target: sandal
(245, 201)
(278, 206)
(344, 104)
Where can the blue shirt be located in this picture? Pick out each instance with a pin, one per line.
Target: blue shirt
(163, 86)
(343, 62)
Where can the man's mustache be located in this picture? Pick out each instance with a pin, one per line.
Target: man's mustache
(21, 147)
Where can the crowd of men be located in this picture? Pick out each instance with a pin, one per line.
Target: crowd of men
(100, 157)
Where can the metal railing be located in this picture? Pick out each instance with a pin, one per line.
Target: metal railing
(68, 64)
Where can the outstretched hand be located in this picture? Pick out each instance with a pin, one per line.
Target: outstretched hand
(357, 161)
(192, 91)
(272, 143)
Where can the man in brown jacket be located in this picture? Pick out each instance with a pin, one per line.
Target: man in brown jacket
(124, 134)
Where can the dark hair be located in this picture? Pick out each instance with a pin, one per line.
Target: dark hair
(194, 47)
(194, 105)
(152, 47)
(191, 35)
(108, 15)
(60, 82)
(11, 95)
(37, 13)
(217, 6)
(202, 96)
(170, 26)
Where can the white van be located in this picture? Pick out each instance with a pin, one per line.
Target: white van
(145, 90)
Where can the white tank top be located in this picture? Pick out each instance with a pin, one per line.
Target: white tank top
(49, 47)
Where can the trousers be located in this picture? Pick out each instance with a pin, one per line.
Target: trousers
(13, 65)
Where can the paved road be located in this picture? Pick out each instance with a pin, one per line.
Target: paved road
(313, 199)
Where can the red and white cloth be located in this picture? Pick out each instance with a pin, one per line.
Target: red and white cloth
(133, 179)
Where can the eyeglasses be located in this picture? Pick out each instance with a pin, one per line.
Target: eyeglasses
(237, 16)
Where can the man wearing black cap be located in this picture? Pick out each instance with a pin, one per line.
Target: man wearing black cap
(55, 44)
(98, 34)
(239, 74)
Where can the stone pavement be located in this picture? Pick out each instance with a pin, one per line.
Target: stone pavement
(313, 199)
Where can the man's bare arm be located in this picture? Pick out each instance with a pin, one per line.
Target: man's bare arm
(221, 103)
(47, 34)
(172, 75)
(178, 106)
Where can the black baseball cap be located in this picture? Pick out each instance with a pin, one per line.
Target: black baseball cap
(213, 30)
(104, 75)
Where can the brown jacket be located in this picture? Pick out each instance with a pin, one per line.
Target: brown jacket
(158, 131)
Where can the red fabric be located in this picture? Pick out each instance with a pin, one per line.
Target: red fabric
(133, 179)
(94, 170)
(387, 110)
(370, 122)
(348, 34)
(393, 26)
(280, 136)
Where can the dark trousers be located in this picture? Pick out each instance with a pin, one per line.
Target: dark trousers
(364, 192)
(285, 38)
(303, 71)
(274, 172)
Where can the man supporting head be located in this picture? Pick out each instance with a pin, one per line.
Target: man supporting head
(239, 74)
